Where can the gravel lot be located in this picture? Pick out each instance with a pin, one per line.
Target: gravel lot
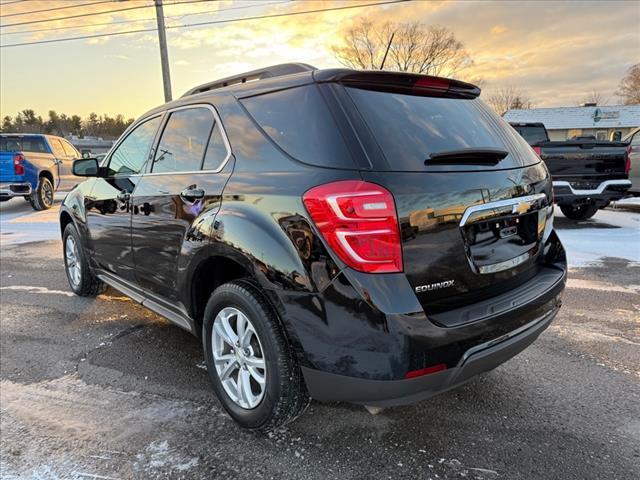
(104, 389)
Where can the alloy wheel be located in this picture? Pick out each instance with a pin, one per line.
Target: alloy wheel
(72, 260)
(238, 358)
(47, 194)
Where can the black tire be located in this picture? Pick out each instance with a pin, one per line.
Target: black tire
(27, 198)
(42, 197)
(285, 396)
(88, 284)
(579, 212)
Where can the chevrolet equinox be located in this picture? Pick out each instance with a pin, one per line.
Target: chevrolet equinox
(366, 237)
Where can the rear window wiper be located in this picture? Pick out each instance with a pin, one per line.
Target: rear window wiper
(474, 156)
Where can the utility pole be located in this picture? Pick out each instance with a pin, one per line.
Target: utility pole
(164, 55)
(387, 50)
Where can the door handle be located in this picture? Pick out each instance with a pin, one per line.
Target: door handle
(123, 196)
(192, 193)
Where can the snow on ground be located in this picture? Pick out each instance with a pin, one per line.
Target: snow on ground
(609, 234)
(19, 223)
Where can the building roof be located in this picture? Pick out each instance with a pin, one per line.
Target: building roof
(566, 118)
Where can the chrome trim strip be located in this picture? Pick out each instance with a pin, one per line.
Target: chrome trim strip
(510, 202)
(506, 265)
(603, 186)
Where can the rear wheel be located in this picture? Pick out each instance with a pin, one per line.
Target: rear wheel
(252, 367)
(579, 212)
(42, 197)
(81, 279)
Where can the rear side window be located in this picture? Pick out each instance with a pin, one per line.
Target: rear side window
(184, 141)
(23, 144)
(300, 123)
(410, 128)
(69, 149)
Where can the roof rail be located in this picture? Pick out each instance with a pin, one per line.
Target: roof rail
(267, 72)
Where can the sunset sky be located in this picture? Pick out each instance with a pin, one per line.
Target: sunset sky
(556, 52)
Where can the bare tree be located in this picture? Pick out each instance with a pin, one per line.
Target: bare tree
(508, 98)
(593, 97)
(413, 47)
(629, 87)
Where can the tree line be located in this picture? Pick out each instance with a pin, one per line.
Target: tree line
(62, 125)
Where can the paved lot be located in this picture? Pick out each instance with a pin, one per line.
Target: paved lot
(103, 389)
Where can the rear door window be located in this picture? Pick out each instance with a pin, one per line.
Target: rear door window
(217, 151)
(184, 141)
(409, 128)
(56, 146)
(299, 121)
(70, 150)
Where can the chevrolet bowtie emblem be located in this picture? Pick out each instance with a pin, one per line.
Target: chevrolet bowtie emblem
(521, 208)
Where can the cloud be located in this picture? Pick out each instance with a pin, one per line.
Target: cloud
(498, 29)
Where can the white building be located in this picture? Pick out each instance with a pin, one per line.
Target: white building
(610, 122)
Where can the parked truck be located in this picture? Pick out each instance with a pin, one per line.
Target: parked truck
(588, 174)
(34, 166)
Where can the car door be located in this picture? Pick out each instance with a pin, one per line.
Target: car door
(108, 208)
(65, 169)
(60, 159)
(174, 204)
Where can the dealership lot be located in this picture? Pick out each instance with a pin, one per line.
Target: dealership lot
(102, 388)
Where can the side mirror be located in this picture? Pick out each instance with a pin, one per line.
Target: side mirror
(85, 167)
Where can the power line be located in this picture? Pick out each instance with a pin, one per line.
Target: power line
(200, 24)
(51, 9)
(141, 20)
(101, 13)
(9, 3)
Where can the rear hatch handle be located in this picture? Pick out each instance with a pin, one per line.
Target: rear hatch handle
(477, 156)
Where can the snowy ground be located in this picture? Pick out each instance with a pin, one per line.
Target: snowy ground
(609, 234)
(101, 388)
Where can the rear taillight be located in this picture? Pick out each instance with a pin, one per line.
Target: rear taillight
(538, 151)
(359, 222)
(18, 164)
(627, 162)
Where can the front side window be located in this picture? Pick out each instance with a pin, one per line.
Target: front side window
(184, 141)
(130, 156)
(70, 150)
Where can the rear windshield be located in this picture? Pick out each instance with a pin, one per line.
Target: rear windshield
(300, 123)
(531, 133)
(410, 128)
(23, 144)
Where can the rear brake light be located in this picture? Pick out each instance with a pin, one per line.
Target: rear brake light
(359, 222)
(18, 166)
(538, 151)
(627, 162)
(426, 371)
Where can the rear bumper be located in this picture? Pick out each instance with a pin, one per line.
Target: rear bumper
(15, 189)
(326, 386)
(606, 192)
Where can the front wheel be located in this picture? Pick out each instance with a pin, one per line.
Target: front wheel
(81, 279)
(579, 212)
(253, 369)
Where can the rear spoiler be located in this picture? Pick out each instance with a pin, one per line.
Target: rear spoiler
(399, 82)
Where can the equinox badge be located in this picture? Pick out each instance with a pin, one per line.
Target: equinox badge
(435, 286)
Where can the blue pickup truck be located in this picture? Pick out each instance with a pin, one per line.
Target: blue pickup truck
(34, 166)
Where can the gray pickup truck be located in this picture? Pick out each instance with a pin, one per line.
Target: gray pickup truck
(588, 174)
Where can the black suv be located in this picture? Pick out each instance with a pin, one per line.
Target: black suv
(367, 237)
